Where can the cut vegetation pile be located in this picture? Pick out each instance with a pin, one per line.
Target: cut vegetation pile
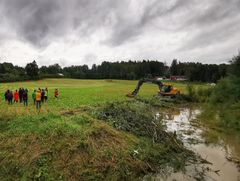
(135, 117)
(138, 118)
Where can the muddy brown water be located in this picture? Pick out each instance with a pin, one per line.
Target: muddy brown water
(223, 152)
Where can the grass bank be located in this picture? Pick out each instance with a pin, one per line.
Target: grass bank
(113, 141)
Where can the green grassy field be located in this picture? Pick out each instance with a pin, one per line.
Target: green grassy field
(74, 93)
(65, 142)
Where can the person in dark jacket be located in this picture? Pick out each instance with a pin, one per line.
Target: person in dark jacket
(10, 97)
(42, 95)
(20, 92)
(25, 97)
(6, 95)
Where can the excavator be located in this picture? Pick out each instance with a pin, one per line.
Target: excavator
(164, 89)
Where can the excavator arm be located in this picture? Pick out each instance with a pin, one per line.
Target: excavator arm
(140, 83)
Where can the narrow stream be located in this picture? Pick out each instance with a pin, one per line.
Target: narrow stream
(218, 151)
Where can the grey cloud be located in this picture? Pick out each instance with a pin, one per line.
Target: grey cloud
(217, 35)
(123, 31)
(41, 21)
(33, 20)
(159, 8)
(90, 58)
(216, 24)
(217, 11)
(197, 17)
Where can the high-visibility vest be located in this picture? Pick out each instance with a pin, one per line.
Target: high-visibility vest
(38, 96)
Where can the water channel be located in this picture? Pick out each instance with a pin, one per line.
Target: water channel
(223, 152)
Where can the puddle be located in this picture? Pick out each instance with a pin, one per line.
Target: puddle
(224, 154)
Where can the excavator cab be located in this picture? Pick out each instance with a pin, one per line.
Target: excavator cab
(169, 90)
(166, 88)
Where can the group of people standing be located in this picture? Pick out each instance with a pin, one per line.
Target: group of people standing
(20, 95)
(39, 96)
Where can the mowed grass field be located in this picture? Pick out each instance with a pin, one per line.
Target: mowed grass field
(55, 145)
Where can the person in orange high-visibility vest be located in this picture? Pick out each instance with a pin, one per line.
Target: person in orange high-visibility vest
(38, 99)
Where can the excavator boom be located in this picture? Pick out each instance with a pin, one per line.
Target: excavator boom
(144, 80)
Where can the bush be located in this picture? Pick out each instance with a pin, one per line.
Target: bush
(227, 91)
(226, 97)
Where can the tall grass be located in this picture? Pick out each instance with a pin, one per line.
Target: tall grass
(225, 98)
(197, 93)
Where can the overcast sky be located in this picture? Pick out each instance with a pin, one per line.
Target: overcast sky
(76, 32)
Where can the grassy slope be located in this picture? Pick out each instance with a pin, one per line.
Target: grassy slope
(52, 145)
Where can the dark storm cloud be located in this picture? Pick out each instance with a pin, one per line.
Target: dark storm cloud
(42, 21)
(33, 20)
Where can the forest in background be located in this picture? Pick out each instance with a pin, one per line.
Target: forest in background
(130, 70)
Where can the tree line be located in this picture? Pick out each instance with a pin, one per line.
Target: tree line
(130, 70)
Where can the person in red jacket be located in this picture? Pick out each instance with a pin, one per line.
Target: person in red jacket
(56, 93)
(16, 96)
